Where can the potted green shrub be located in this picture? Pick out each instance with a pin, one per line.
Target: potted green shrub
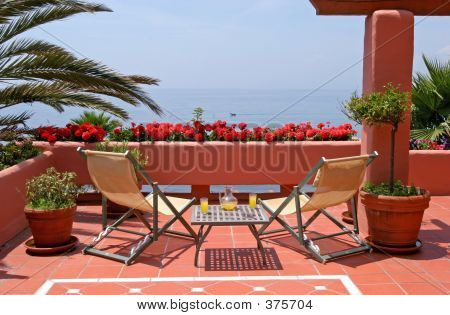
(50, 207)
(114, 210)
(394, 211)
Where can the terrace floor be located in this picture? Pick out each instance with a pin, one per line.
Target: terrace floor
(230, 264)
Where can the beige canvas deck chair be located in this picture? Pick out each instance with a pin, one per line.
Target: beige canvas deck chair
(337, 181)
(115, 176)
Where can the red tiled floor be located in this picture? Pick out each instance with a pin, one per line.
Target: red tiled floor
(426, 272)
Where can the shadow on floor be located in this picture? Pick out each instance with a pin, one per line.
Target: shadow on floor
(240, 259)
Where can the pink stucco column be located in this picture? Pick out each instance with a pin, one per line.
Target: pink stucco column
(388, 52)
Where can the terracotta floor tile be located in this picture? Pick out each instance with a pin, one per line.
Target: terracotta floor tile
(423, 289)
(27, 287)
(139, 271)
(167, 288)
(229, 287)
(380, 289)
(104, 289)
(101, 272)
(297, 269)
(66, 272)
(374, 278)
(291, 287)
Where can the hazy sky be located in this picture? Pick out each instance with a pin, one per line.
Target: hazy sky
(232, 43)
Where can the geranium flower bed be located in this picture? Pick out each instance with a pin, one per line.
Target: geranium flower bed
(84, 132)
(199, 132)
(221, 131)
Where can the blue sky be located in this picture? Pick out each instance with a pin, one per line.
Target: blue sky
(248, 44)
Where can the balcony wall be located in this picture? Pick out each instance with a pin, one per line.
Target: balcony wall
(430, 169)
(12, 197)
(253, 163)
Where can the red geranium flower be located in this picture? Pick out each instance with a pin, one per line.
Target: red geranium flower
(51, 138)
(117, 130)
(198, 137)
(269, 137)
(324, 134)
(311, 133)
(189, 133)
(300, 135)
(228, 136)
(242, 126)
(86, 135)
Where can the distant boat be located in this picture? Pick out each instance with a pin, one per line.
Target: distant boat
(232, 114)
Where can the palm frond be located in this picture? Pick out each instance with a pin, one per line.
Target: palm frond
(12, 8)
(32, 47)
(141, 79)
(57, 96)
(431, 95)
(84, 73)
(21, 18)
(14, 119)
(14, 125)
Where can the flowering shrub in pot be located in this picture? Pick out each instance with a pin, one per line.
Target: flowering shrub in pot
(222, 131)
(394, 211)
(72, 132)
(50, 207)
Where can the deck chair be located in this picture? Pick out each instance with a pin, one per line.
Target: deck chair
(337, 181)
(116, 176)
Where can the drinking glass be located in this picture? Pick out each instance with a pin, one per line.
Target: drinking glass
(204, 205)
(252, 200)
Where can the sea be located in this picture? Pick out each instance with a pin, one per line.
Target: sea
(266, 107)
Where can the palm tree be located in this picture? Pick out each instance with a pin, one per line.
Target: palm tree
(97, 119)
(431, 102)
(38, 71)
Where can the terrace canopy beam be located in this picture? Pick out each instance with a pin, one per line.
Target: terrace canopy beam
(367, 7)
(388, 58)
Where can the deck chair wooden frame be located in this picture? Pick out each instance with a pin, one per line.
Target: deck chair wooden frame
(297, 231)
(154, 230)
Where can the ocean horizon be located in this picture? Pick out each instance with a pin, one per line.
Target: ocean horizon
(268, 107)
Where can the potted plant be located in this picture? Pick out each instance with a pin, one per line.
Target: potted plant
(114, 210)
(394, 211)
(50, 207)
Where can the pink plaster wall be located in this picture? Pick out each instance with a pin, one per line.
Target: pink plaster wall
(430, 169)
(191, 163)
(12, 197)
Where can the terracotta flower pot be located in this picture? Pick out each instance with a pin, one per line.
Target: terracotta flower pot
(394, 221)
(51, 228)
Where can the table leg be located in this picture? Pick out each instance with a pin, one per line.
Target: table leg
(201, 238)
(254, 231)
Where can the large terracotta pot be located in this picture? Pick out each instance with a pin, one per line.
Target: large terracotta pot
(51, 228)
(394, 221)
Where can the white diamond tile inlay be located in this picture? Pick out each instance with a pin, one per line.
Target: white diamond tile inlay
(197, 290)
(259, 289)
(73, 291)
(320, 288)
(134, 290)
